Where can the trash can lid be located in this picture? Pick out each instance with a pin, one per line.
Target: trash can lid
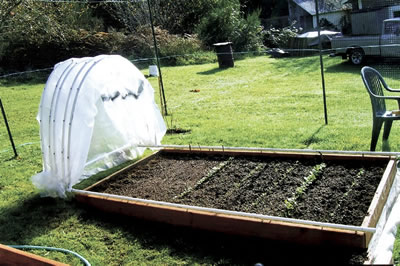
(222, 43)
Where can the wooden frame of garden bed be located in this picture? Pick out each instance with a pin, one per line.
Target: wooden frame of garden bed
(12, 256)
(248, 224)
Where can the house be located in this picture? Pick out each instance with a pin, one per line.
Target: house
(358, 17)
(330, 11)
(367, 15)
(372, 4)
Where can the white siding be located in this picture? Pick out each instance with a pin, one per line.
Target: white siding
(333, 17)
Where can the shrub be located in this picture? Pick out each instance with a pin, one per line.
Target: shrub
(39, 34)
(173, 49)
(345, 24)
(280, 37)
(327, 25)
(221, 24)
(251, 33)
(227, 23)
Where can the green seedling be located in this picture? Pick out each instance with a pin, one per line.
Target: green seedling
(316, 172)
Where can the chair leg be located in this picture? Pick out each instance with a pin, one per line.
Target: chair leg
(376, 128)
(386, 129)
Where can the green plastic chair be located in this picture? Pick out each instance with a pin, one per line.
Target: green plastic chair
(375, 85)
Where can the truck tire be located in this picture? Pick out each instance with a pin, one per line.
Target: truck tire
(356, 56)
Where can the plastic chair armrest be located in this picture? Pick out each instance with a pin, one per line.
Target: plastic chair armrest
(392, 90)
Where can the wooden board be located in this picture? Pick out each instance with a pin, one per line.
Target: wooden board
(12, 256)
(248, 226)
(231, 224)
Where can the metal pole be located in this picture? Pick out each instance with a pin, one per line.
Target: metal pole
(8, 129)
(158, 60)
(321, 62)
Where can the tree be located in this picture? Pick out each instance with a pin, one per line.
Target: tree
(175, 16)
(269, 8)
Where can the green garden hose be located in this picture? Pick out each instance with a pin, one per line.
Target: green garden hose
(85, 262)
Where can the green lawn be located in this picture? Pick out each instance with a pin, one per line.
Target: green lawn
(265, 102)
(261, 102)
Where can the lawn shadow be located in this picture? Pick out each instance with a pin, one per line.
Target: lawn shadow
(212, 248)
(383, 65)
(212, 71)
(313, 138)
(26, 78)
(344, 66)
(32, 217)
(386, 146)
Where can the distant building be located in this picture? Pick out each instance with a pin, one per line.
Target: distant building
(304, 12)
(372, 4)
(367, 15)
(358, 17)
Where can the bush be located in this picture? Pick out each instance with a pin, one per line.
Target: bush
(280, 38)
(39, 34)
(251, 33)
(221, 24)
(46, 33)
(227, 23)
(173, 49)
(24, 55)
(327, 25)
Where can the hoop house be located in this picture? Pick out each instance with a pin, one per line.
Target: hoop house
(93, 114)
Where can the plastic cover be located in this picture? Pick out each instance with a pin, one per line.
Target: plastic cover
(380, 250)
(93, 113)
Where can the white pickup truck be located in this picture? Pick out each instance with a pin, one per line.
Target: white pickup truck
(357, 48)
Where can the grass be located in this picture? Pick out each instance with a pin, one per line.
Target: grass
(261, 102)
(264, 102)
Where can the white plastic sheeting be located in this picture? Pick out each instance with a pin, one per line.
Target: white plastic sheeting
(380, 250)
(93, 114)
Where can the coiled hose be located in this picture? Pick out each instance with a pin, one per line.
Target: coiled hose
(85, 262)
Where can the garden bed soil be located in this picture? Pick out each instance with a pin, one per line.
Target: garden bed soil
(341, 194)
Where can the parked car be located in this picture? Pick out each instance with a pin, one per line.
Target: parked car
(357, 48)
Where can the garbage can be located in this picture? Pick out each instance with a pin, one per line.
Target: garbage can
(224, 54)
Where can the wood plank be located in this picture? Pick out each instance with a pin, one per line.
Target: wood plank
(230, 224)
(380, 197)
(12, 256)
(281, 154)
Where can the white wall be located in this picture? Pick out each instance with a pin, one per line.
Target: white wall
(333, 17)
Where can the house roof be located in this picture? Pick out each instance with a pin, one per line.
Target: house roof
(325, 6)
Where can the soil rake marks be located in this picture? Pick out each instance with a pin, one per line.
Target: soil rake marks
(254, 173)
(355, 182)
(315, 173)
(211, 174)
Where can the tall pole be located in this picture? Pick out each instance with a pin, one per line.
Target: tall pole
(164, 104)
(321, 61)
(8, 129)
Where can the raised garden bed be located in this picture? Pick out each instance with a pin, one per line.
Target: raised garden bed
(306, 198)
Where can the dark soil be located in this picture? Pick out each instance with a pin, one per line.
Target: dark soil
(341, 194)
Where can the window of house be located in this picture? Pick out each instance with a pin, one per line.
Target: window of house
(396, 14)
